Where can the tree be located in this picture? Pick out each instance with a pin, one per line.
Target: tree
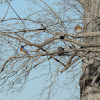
(42, 32)
(90, 79)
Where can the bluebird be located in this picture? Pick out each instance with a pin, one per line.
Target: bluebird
(78, 28)
(23, 51)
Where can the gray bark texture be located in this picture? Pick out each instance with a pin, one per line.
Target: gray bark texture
(90, 78)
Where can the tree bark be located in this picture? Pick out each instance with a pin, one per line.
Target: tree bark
(90, 78)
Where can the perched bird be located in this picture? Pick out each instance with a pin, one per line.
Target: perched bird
(60, 49)
(78, 28)
(23, 51)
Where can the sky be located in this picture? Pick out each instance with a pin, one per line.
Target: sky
(36, 82)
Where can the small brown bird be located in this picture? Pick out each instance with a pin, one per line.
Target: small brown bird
(78, 28)
(60, 49)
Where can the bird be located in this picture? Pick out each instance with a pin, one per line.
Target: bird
(60, 49)
(78, 28)
(23, 51)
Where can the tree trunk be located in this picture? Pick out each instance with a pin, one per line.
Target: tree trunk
(90, 78)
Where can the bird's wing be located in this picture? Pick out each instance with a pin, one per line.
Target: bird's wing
(26, 51)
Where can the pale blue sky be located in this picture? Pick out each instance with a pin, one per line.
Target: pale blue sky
(33, 87)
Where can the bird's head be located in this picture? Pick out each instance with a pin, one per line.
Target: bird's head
(22, 46)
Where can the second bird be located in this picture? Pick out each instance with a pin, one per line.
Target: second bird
(23, 51)
(78, 28)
